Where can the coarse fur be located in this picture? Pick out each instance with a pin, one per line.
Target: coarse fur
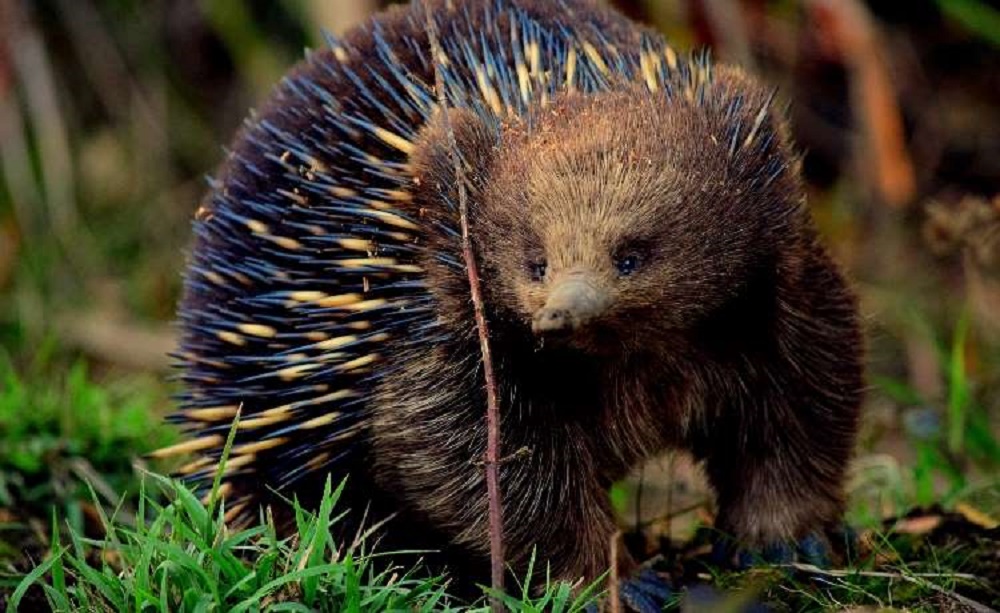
(326, 298)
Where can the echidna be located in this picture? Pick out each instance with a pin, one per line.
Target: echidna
(650, 273)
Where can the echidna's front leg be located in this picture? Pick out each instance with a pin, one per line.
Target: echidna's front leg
(778, 447)
(776, 508)
(576, 543)
(640, 590)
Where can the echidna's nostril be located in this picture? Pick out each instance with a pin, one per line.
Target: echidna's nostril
(574, 299)
(552, 321)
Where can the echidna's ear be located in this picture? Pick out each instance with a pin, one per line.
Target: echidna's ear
(455, 134)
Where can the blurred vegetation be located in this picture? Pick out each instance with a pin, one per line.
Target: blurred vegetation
(53, 432)
(112, 112)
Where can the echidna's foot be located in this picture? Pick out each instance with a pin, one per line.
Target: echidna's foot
(646, 592)
(810, 550)
(643, 592)
(845, 539)
(816, 548)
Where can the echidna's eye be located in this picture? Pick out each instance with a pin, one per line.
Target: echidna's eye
(537, 269)
(628, 263)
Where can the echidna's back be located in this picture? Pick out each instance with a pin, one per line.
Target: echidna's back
(304, 274)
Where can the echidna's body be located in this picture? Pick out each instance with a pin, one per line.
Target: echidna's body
(633, 203)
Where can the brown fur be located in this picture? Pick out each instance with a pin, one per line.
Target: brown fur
(737, 339)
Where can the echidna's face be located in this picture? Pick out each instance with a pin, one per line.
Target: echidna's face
(620, 217)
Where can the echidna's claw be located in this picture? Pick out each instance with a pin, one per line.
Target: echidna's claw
(815, 548)
(644, 592)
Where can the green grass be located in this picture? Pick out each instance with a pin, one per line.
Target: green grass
(184, 559)
(909, 575)
(181, 557)
(151, 555)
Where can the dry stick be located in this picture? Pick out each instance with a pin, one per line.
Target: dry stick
(492, 411)
(613, 598)
(915, 578)
(670, 492)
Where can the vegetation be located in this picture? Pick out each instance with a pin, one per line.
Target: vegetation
(187, 560)
(181, 556)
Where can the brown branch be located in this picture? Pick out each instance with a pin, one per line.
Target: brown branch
(475, 290)
(919, 579)
(614, 582)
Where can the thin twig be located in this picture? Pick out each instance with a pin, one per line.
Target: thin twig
(492, 410)
(613, 599)
(670, 492)
(671, 514)
(834, 572)
(920, 579)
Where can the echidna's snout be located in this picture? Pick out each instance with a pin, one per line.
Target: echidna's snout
(574, 300)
